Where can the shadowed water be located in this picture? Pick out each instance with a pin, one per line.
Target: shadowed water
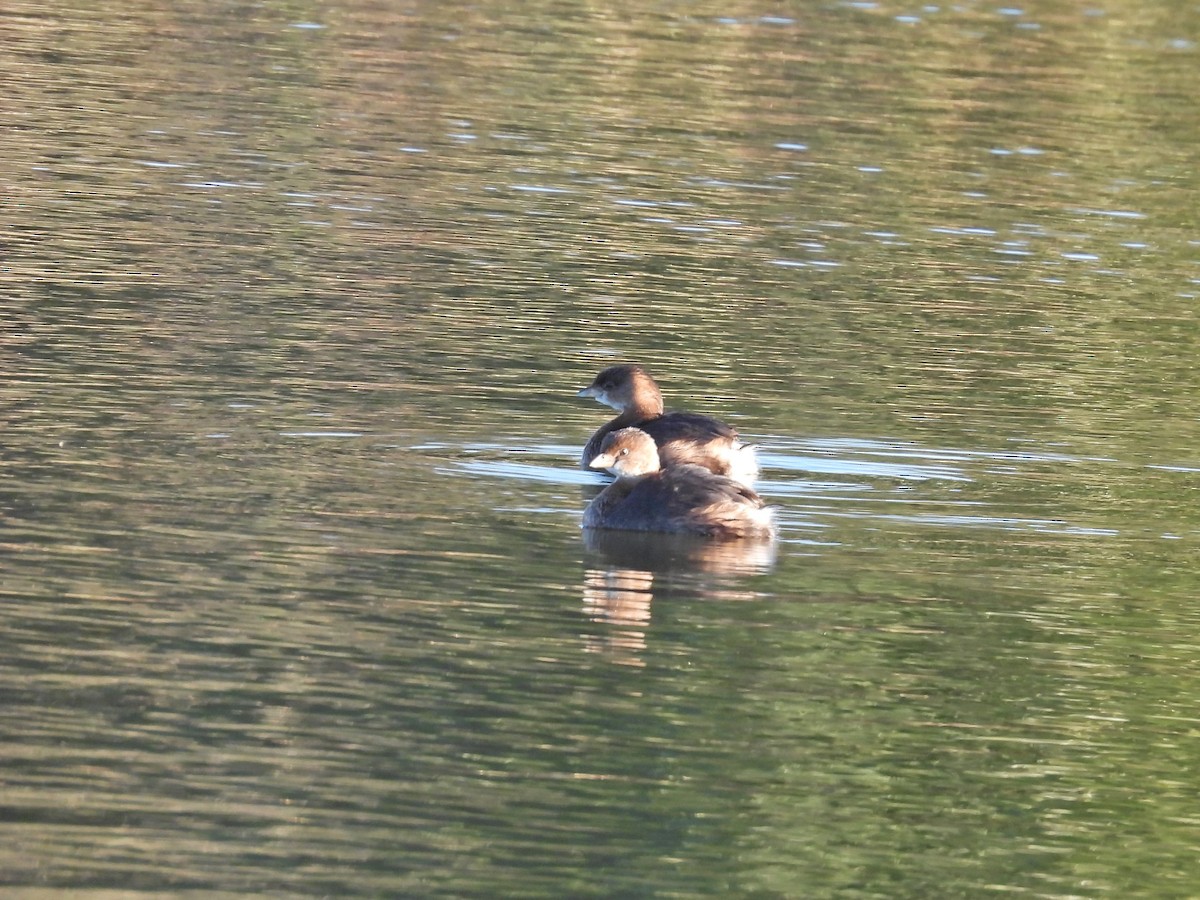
(295, 599)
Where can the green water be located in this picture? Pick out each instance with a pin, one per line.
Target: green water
(296, 300)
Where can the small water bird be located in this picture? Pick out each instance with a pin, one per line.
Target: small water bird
(679, 499)
(680, 437)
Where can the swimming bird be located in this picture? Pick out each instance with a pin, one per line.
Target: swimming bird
(680, 499)
(681, 437)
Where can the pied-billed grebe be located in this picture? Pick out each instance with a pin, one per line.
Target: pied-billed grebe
(681, 499)
(681, 437)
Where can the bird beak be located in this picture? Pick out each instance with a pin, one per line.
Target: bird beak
(602, 461)
(587, 392)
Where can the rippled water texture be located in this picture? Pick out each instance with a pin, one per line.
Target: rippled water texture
(296, 302)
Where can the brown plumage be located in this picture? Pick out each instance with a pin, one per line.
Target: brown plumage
(681, 438)
(680, 499)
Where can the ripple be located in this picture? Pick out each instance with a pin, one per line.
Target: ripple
(526, 472)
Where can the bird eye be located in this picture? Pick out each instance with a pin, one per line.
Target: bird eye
(624, 451)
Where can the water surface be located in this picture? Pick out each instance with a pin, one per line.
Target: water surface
(295, 600)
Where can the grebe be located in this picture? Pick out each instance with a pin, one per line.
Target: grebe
(681, 437)
(679, 499)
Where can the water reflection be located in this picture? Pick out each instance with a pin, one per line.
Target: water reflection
(289, 493)
(629, 570)
(680, 554)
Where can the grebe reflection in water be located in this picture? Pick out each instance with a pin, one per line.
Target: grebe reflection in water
(628, 571)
